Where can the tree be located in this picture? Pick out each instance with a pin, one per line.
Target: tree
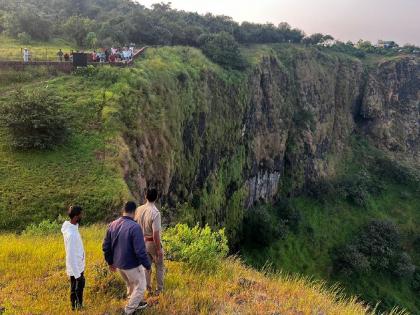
(33, 120)
(24, 38)
(223, 50)
(77, 28)
(91, 40)
(29, 22)
(316, 39)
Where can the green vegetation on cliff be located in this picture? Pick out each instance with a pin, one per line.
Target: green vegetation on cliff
(331, 217)
(216, 141)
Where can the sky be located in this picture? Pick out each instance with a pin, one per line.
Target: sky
(372, 20)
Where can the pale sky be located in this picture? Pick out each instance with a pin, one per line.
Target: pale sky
(397, 20)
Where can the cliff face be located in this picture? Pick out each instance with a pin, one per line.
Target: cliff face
(297, 119)
(390, 109)
(225, 143)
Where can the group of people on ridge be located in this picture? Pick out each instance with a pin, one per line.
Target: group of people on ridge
(113, 54)
(131, 245)
(104, 55)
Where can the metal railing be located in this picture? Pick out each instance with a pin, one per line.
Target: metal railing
(36, 54)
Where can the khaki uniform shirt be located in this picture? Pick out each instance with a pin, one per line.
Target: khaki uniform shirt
(148, 216)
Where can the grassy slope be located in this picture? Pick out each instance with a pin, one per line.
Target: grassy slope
(333, 223)
(39, 185)
(95, 179)
(41, 286)
(10, 49)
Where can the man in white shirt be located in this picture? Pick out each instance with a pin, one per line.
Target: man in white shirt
(75, 256)
(149, 218)
(26, 55)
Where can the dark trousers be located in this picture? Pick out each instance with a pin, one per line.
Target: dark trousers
(76, 291)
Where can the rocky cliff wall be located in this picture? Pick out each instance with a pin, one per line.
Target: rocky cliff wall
(222, 143)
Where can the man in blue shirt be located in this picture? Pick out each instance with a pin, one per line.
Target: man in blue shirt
(124, 249)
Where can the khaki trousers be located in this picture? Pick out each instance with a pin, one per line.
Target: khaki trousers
(160, 268)
(136, 287)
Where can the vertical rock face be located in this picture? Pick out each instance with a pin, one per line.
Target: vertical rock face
(390, 110)
(298, 116)
(221, 144)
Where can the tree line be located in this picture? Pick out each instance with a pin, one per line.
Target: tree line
(124, 21)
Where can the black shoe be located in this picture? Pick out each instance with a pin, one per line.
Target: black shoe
(142, 306)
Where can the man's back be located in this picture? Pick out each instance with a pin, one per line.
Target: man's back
(148, 216)
(124, 245)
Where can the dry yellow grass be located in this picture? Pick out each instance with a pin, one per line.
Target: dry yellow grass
(33, 281)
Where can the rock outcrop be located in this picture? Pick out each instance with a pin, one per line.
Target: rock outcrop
(280, 127)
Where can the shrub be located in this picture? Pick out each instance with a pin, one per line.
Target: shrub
(200, 248)
(380, 241)
(87, 72)
(107, 282)
(45, 227)
(377, 247)
(34, 120)
(384, 167)
(222, 49)
(288, 214)
(91, 40)
(261, 227)
(358, 187)
(403, 266)
(350, 260)
(415, 283)
(24, 38)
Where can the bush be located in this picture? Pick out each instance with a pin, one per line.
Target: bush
(349, 260)
(199, 248)
(24, 38)
(34, 120)
(415, 283)
(288, 214)
(357, 188)
(107, 282)
(222, 49)
(87, 72)
(403, 266)
(45, 227)
(377, 247)
(261, 227)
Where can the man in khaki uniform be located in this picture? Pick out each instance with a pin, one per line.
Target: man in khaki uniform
(149, 218)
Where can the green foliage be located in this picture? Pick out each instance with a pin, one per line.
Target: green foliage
(28, 21)
(45, 227)
(34, 120)
(347, 48)
(357, 188)
(107, 283)
(24, 38)
(316, 39)
(289, 214)
(11, 76)
(87, 72)
(78, 28)
(200, 248)
(91, 40)
(378, 247)
(416, 281)
(261, 227)
(223, 49)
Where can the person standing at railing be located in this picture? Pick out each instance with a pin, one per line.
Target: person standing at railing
(60, 55)
(26, 55)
